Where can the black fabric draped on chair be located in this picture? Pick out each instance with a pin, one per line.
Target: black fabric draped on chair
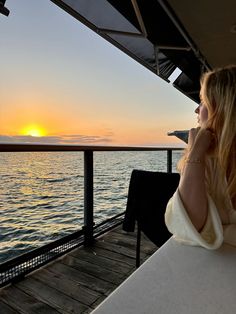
(148, 195)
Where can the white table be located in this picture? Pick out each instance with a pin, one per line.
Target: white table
(178, 279)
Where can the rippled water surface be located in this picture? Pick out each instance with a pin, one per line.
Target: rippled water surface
(41, 196)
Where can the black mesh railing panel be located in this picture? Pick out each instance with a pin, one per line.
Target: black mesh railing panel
(15, 269)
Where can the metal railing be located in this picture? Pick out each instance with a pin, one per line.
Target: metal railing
(19, 266)
(88, 169)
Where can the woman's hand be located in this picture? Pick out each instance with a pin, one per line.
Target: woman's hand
(200, 142)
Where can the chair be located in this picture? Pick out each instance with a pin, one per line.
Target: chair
(148, 195)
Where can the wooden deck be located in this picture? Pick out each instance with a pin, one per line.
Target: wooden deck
(79, 281)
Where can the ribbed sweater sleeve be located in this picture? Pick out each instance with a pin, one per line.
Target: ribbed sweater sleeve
(180, 225)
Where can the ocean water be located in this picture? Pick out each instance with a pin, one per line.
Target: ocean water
(41, 195)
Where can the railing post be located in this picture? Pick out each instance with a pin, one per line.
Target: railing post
(88, 198)
(169, 160)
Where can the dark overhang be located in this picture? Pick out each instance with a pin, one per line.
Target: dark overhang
(3, 9)
(193, 36)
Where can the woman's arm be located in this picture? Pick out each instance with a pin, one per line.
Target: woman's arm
(192, 186)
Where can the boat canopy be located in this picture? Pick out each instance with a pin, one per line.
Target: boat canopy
(190, 36)
(3, 9)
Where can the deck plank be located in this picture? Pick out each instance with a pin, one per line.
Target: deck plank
(84, 279)
(68, 287)
(92, 269)
(53, 297)
(115, 247)
(129, 242)
(6, 309)
(115, 256)
(23, 303)
(91, 255)
(79, 281)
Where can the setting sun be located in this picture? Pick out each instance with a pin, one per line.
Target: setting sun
(33, 130)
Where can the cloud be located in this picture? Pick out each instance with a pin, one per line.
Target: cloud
(83, 139)
(62, 139)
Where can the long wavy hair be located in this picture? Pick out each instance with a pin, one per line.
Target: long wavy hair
(218, 93)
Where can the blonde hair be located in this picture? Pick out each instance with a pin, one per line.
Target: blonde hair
(218, 93)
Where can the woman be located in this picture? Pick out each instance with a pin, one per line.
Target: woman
(203, 209)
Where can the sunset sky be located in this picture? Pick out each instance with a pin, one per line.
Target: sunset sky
(62, 83)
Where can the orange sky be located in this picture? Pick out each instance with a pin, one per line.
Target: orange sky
(52, 79)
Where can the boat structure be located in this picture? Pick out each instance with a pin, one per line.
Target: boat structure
(77, 272)
(181, 134)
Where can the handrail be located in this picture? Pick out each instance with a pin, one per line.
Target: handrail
(36, 147)
(88, 169)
